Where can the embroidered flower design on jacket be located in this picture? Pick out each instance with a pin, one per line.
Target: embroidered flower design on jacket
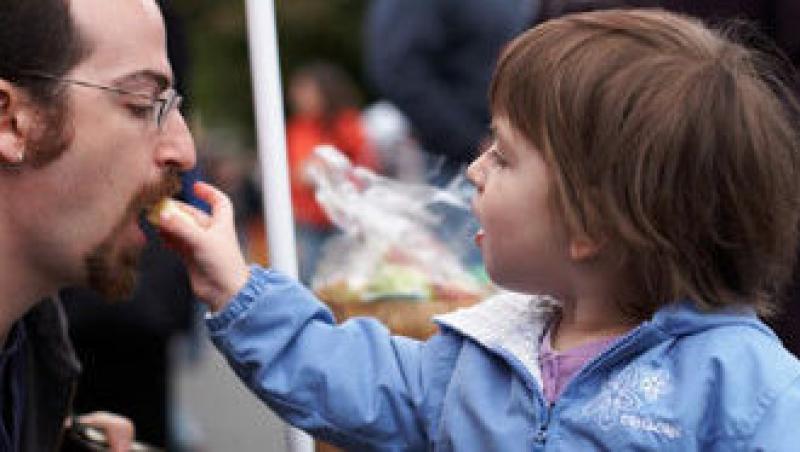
(623, 400)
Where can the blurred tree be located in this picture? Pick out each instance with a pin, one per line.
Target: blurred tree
(307, 30)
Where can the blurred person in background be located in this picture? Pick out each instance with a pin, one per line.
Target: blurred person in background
(389, 131)
(89, 139)
(324, 110)
(433, 59)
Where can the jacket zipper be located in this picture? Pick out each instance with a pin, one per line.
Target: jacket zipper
(541, 435)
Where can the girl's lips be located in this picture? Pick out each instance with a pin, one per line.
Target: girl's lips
(479, 237)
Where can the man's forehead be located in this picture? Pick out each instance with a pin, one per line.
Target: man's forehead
(126, 40)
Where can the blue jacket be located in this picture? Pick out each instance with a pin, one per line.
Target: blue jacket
(683, 381)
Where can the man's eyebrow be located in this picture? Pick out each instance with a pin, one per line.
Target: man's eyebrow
(161, 81)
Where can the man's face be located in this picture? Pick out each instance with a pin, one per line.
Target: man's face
(82, 209)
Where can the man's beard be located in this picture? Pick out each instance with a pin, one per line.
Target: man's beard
(113, 271)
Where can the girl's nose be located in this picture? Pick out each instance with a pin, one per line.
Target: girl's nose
(476, 173)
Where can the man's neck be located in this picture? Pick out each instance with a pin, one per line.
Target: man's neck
(23, 283)
(19, 292)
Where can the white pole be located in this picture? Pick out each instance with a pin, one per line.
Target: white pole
(268, 104)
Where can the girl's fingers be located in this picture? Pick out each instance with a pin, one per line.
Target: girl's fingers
(219, 202)
(197, 215)
(179, 221)
(184, 226)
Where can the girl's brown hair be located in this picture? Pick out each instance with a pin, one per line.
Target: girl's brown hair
(668, 142)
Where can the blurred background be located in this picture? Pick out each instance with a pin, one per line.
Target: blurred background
(220, 72)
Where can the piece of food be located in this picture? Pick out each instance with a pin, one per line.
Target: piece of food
(172, 207)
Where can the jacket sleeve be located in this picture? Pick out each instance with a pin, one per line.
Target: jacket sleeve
(353, 385)
(779, 428)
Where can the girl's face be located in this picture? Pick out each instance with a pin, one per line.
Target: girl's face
(523, 241)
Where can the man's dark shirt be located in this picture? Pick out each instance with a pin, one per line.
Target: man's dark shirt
(12, 385)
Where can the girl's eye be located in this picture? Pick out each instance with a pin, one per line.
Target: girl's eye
(489, 147)
(497, 157)
(485, 145)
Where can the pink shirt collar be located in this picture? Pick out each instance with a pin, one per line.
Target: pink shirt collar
(559, 368)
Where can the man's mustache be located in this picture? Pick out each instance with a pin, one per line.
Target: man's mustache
(148, 196)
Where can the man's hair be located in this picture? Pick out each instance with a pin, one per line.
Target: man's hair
(38, 37)
(670, 144)
(41, 37)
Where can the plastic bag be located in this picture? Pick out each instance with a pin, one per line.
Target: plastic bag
(398, 240)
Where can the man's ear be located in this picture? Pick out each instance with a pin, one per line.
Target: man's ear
(16, 120)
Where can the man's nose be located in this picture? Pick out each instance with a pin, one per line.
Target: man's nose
(176, 146)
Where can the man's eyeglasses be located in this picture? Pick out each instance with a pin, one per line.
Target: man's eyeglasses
(162, 104)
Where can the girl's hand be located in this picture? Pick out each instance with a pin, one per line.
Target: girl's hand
(208, 245)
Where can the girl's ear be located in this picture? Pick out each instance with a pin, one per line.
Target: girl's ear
(587, 237)
(583, 248)
(15, 123)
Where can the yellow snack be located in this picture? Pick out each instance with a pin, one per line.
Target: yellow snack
(172, 207)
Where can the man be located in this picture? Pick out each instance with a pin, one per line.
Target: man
(89, 138)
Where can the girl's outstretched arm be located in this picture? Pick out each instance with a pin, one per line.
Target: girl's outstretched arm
(353, 385)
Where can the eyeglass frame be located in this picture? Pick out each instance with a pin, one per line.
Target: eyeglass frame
(162, 104)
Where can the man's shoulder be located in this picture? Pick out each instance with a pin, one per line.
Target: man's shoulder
(47, 335)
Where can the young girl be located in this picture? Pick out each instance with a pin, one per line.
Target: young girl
(644, 173)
